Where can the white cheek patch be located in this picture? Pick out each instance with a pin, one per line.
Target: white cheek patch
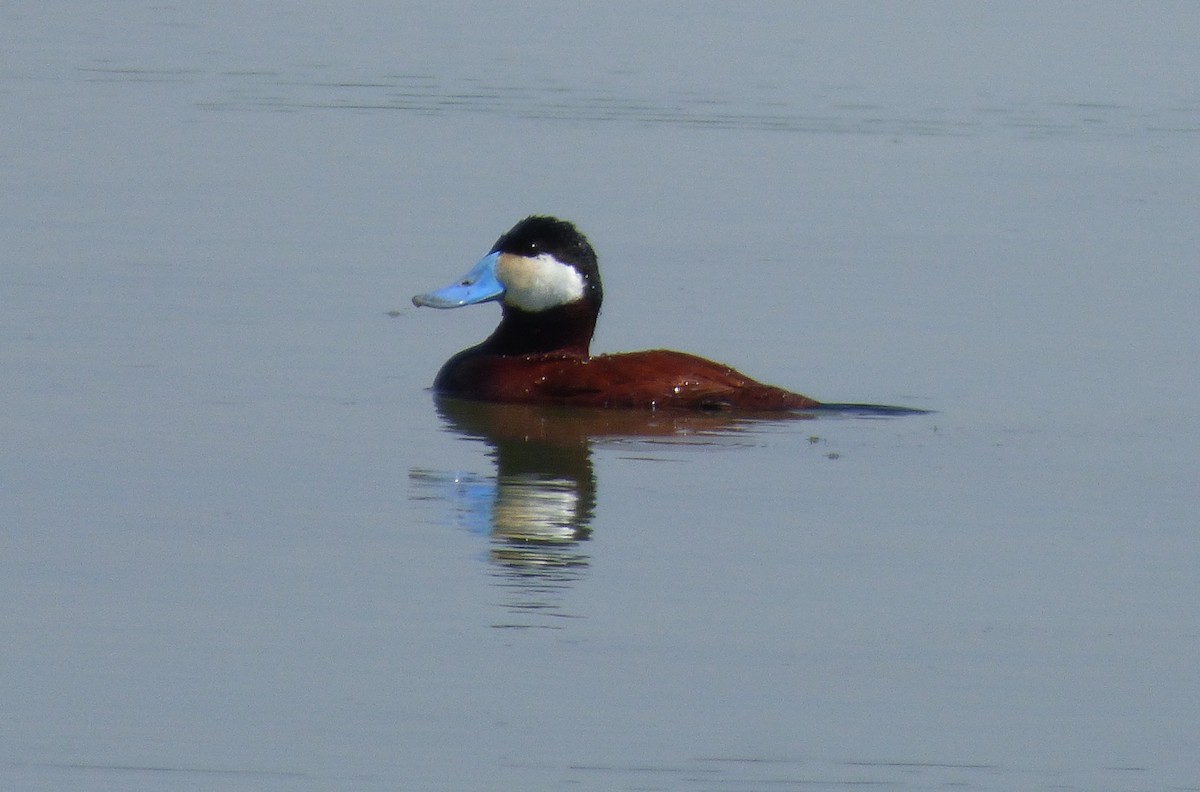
(538, 283)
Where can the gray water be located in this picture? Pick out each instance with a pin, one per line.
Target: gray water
(244, 548)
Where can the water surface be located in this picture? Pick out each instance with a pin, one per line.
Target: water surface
(245, 548)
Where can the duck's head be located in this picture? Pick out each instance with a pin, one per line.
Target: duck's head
(540, 264)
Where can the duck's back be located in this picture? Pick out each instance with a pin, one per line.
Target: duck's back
(655, 379)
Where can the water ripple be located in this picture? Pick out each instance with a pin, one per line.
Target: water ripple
(828, 110)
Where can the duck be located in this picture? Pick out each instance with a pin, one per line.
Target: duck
(545, 275)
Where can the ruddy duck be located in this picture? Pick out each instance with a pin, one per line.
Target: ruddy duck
(544, 273)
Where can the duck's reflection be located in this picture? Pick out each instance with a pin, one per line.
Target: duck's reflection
(538, 508)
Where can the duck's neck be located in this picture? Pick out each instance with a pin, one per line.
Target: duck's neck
(567, 329)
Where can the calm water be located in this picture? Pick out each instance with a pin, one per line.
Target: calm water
(244, 548)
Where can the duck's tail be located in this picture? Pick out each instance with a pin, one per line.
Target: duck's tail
(868, 410)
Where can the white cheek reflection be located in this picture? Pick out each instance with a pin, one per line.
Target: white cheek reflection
(536, 509)
(523, 508)
(535, 525)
